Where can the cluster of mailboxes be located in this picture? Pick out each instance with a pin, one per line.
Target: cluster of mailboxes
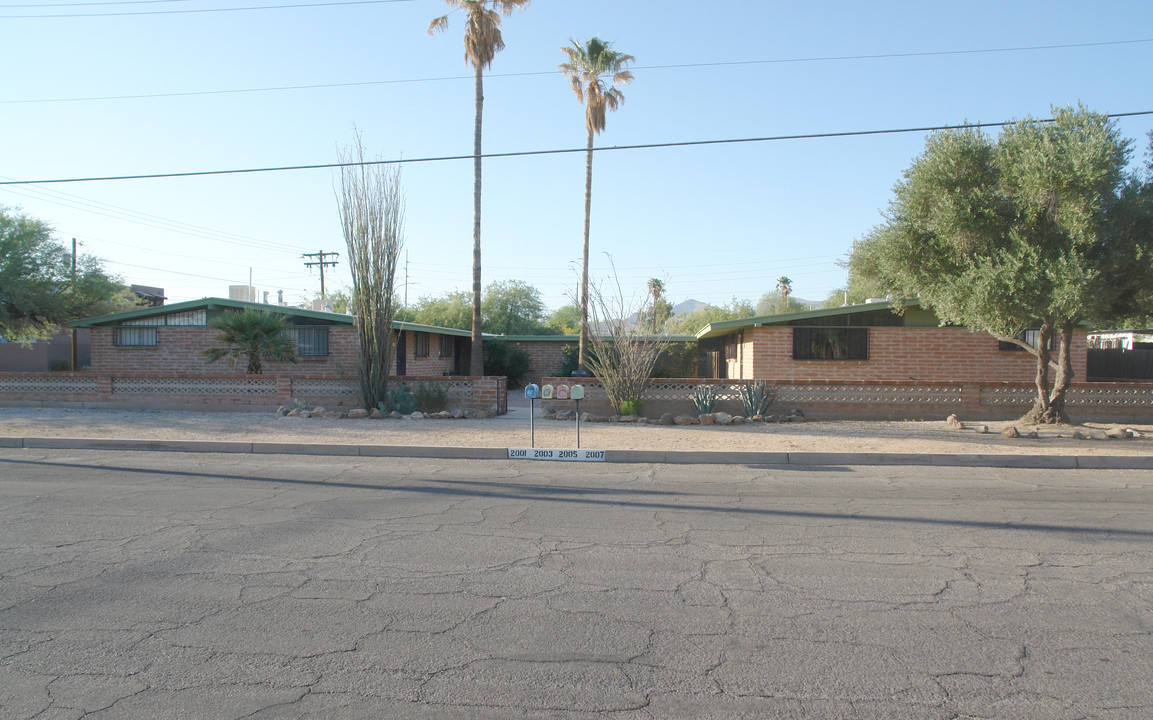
(559, 392)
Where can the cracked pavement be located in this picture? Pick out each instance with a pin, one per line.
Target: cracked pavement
(143, 585)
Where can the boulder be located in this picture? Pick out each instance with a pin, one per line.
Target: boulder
(1010, 432)
(722, 418)
(981, 429)
(1118, 433)
(357, 414)
(1089, 434)
(564, 415)
(318, 411)
(707, 418)
(666, 419)
(305, 413)
(376, 414)
(628, 418)
(395, 415)
(738, 420)
(294, 412)
(757, 418)
(483, 414)
(685, 420)
(793, 416)
(457, 414)
(417, 415)
(954, 422)
(282, 411)
(771, 418)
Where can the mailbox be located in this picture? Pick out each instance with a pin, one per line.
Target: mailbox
(546, 392)
(532, 392)
(577, 392)
(562, 392)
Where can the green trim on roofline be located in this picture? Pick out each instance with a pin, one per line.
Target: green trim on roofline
(221, 303)
(725, 327)
(576, 338)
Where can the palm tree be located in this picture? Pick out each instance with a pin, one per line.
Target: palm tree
(482, 42)
(785, 288)
(253, 334)
(596, 73)
(656, 289)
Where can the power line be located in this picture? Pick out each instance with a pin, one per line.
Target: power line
(203, 10)
(90, 4)
(680, 66)
(532, 153)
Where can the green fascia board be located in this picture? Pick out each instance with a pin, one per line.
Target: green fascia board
(223, 304)
(725, 327)
(576, 338)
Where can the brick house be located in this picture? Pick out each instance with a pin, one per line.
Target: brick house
(169, 339)
(866, 343)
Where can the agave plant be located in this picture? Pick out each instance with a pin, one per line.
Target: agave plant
(755, 397)
(705, 398)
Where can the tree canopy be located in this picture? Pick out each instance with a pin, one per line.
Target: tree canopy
(38, 292)
(1039, 228)
(513, 307)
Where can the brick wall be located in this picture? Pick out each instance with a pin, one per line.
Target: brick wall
(898, 354)
(546, 356)
(431, 364)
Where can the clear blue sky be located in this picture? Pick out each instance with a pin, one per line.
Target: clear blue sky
(714, 221)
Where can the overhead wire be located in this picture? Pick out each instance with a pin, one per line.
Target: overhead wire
(201, 10)
(535, 153)
(676, 66)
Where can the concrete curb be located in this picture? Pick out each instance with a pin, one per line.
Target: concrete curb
(674, 457)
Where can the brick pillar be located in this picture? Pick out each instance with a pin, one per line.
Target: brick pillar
(284, 388)
(104, 386)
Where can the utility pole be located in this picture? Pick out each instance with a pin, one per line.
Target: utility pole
(321, 263)
(73, 290)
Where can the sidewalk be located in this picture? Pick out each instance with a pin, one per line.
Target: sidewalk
(838, 443)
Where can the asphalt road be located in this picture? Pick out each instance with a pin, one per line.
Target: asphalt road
(146, 585)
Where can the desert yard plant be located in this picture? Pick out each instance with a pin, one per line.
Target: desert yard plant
(756, 397)
(254, 335)
(622, 358)
(431, 397)
(705, 398)
(399, 400)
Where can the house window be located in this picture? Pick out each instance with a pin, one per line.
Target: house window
(1030, 338)
(191, 317)
(311, 340)
(446, 343)
(420, 345)
(830, 343)
(134, 336)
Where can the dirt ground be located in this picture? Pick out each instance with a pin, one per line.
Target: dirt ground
(513, 431)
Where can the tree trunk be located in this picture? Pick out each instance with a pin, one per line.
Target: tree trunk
(1064, 372)
(582, 351)
(1041, 408)
(476, 357)
(255, 367)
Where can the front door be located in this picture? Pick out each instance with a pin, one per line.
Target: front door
(401, 353)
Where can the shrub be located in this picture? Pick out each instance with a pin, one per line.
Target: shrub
(431, 398)
(500, 358)
(705, 398)
(400, 400)
(756, 397)
(677, 360)
(635, 406)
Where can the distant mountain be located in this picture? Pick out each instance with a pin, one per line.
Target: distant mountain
(688, 306)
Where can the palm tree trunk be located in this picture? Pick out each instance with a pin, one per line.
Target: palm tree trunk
(582, 351)
(476, 358)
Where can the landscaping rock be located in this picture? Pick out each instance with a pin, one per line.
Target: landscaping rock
(1089, 434)
(1118, 433)
(666, 419)
(457, 414)
(1010, 432)
(305, 413)
(564, 415)
(722, 418)
(628, 418)
(294, 412)
(1032, 435)
(417, 415)
(757, 418)
(483, 414)
(376, 414)
(772, 418)
(794, 416)
(954, 422)
(685, 420)
(738, 420)
(395, 415)
(357, 414)
(981, 429)
(589, 417)
(317, 412)
(707, 418)
(282, 411)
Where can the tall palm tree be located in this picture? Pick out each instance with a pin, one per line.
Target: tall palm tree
(785, 288)
(596, 73)
(255, 335)
(656, 289)
(482, 41)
